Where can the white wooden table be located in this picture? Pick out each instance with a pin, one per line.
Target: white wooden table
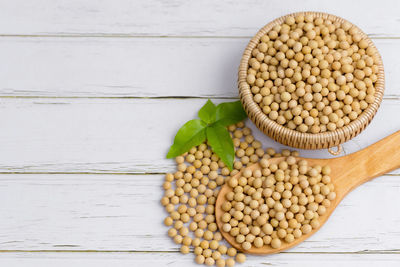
(91, 94)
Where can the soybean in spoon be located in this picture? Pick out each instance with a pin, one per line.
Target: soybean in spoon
(347, 173)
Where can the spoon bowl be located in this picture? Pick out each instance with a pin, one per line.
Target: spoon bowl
(347, 173)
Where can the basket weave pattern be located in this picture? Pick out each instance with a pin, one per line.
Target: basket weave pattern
(294, 138)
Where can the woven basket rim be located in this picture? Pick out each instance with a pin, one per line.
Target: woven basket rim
(295, 138)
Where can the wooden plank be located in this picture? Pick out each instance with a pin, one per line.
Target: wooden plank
(172, 259)
(180, 17)
(138, 67)
(119, 135)
(122, 213)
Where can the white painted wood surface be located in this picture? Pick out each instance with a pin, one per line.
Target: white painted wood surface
(120, 135)
(122, 213)
(116, 67)
(181, 17)
(91, 94)
(112, 259)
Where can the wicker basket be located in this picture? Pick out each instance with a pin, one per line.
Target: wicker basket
(294, 138)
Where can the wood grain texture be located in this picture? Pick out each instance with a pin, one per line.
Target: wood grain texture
(180, 17)
(173, 259)
(116, 67)
(120, 135)
(122, 213)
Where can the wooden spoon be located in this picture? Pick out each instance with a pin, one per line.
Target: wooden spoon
(347, 173)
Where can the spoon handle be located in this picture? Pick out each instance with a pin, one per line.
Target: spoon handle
(373, 161)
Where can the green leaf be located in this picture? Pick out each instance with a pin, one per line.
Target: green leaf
(207, 112)
(229, 113)
(191, 134)
(221, 143)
